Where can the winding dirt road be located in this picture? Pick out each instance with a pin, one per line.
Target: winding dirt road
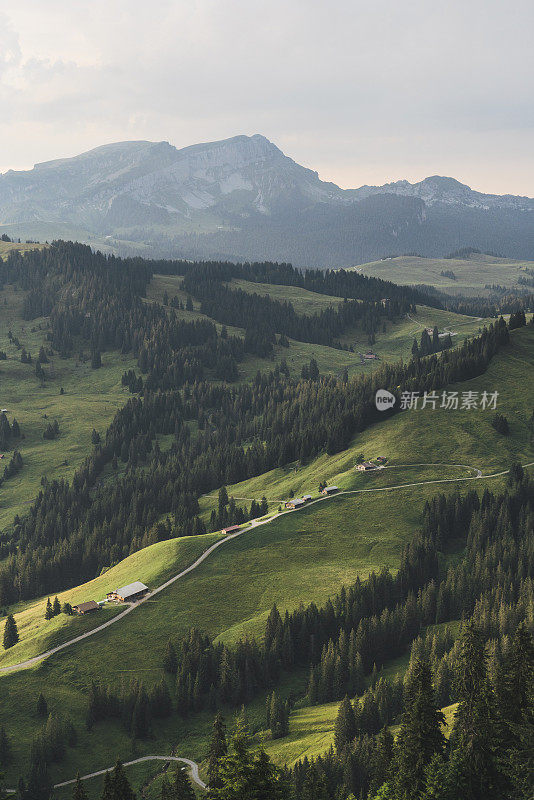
(193, 766)
(254, 524)
(193, 771)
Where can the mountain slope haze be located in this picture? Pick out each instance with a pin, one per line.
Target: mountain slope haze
(243, 198)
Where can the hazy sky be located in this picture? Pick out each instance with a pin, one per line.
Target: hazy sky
(363, 91)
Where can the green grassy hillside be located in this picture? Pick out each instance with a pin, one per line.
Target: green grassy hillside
(300, 557)
(90, 400)
(91, 397)
(472, 274)
(23, 247)
(392, 344)
(153, 565)
(442, 437)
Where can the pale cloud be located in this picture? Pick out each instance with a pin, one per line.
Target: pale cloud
(363, 92)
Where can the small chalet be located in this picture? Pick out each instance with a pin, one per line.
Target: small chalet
(330, 490)
(306, 498)
(367, 465)
(296, 503)
(231, 529)
(130, 593)
(87, 607)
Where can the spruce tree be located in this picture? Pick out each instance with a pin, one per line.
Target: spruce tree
(218, 749)
(383, 756)
(474, 761)
(170, 660)
(420, 737)
(49, 613)
(56, 607)
(244, 775)
(11, 634)
(180, 786)
(516, 684)
(107, 789)
(345, 725)
(79, 792)
(120, 785)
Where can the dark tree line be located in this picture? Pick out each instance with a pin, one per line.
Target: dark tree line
(262, 317)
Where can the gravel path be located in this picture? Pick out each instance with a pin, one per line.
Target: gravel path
(254, 524)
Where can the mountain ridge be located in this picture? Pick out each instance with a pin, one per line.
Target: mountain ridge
(243, 197)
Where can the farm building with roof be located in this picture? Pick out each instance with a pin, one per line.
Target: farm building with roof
(87, 607)
(231, 529)
(131, 592)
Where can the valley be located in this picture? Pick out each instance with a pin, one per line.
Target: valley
(224, 586)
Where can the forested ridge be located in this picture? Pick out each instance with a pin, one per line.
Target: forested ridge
(74, 530)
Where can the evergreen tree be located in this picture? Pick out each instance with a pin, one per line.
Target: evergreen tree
(79, 792)
(516, 683)
(218, 750)
(42, 706)
(38, 785)
(244, 775)
(141, 725)
(121, 789)
(107, 789)
(96, 359)
(11, 634)
(345, 725)
(420, 736)
(56, 607)
(49, 613)
(474, 759)
(382, 760)
(170, 661)
(179, 787)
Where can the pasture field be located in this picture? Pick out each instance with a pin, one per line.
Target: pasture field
(302, 300)
(153, 566)
(22, 247)
(473, 274)
(90, 400)
(423, 436)
(300, 557)
(392, 344)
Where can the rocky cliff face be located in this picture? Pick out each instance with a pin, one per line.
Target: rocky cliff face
(243, 173)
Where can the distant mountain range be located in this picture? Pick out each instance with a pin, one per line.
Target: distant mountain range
(242, 198)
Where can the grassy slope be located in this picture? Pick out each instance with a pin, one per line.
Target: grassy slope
(300, 557)
(303, 301)
(90, 401)
(7, 247)
(423, 436)
(153, 565)
(472, 274)
(392, 345)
